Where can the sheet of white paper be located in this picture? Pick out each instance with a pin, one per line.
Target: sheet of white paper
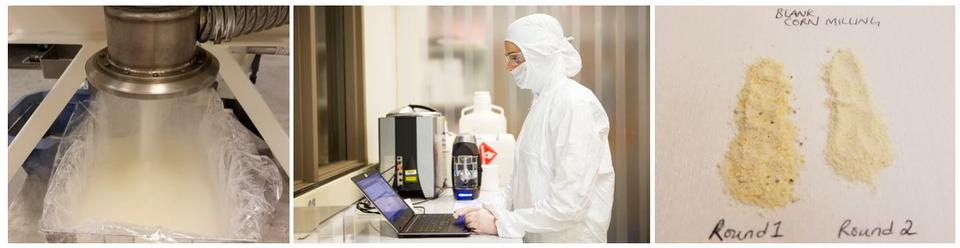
(702, 54)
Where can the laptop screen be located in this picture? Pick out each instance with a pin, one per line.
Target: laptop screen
(390, 205)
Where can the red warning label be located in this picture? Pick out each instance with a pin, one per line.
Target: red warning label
(487, 153)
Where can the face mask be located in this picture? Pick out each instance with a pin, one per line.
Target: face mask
(520, 76)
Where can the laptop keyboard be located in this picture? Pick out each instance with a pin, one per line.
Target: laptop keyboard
(430, 223)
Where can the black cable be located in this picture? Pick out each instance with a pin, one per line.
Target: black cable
(364, 205)
(254, 68)
(417, 106)
(442, 189)
(392, 176)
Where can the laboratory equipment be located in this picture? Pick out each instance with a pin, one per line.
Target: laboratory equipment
(467, 172)
(151, 54)
(411, 145)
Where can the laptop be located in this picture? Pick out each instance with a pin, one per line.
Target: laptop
(401, 217)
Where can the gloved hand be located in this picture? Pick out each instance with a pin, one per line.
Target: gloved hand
(477, 220)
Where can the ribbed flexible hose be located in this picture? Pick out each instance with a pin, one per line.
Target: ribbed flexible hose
(223, 23)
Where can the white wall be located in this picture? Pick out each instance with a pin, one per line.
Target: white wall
(380, 70)
(412, 42)
(393, 55)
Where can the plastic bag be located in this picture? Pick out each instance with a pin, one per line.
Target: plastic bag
(246, 185)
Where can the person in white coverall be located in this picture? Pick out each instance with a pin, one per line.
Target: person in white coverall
(562, 185)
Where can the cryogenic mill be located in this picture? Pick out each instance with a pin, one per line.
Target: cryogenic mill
(152, 52)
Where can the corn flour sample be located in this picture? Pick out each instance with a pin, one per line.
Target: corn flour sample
(857, 144)
(763, 161)
(176, 192)
(150, 169)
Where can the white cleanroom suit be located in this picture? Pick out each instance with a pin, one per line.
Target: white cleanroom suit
(563, 180)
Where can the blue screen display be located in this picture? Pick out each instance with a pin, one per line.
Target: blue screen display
(382, 195)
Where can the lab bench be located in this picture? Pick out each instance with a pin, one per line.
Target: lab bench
(352, 226)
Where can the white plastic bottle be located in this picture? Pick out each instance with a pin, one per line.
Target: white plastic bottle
(482, 119)
(496, 145)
